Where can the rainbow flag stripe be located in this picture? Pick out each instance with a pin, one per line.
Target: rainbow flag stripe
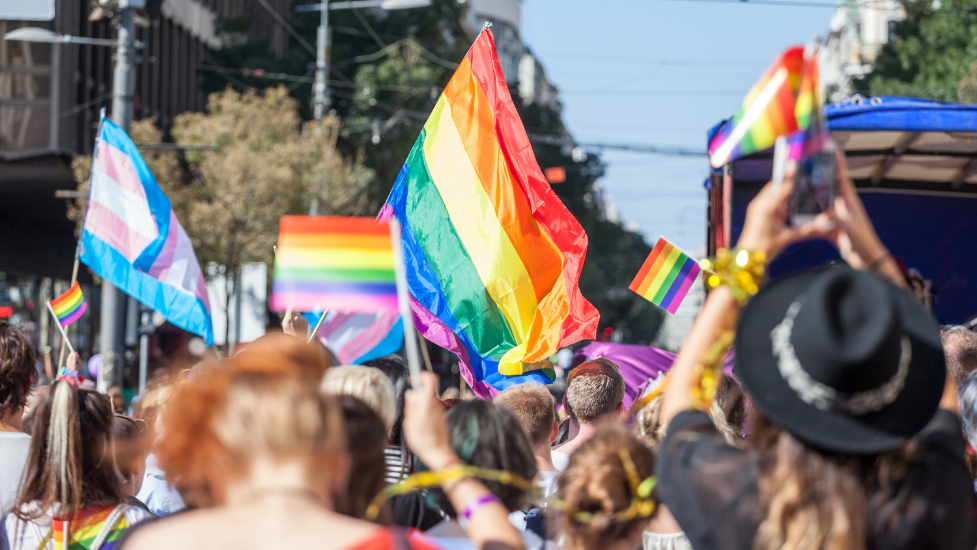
(69, 306)
(666, 276)
(84, 526)
(768, 111)
(331, 262)
(493, 256)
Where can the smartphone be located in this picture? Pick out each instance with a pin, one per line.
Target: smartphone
(814, 183)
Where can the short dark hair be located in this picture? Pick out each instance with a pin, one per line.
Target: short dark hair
(16, 368)
(594, 390)
(488, 436)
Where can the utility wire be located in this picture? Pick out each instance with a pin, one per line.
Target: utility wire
(287, 27)
(806, 4)
(369, 29)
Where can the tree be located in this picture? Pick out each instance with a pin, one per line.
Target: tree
(928, 53)
(268, 164)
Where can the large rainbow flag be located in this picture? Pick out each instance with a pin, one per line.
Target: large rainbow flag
(493, 257)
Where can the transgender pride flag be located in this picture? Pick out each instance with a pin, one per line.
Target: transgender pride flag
(132, 239)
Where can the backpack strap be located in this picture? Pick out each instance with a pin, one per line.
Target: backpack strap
(107, 526)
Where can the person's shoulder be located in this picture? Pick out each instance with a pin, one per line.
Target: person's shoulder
(14, 443)
(179, 530)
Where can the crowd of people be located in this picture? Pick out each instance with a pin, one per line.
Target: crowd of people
(849, 422)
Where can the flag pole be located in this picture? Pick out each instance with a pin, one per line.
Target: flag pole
(74, 277)
(318, 325)
(403, 299)
(424, 353)
(65, 341)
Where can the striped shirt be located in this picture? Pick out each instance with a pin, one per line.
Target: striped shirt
(395, 464)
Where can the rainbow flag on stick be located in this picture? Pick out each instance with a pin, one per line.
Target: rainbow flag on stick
(772, 108)
(68, 307)
(666, 276)
(331, 262)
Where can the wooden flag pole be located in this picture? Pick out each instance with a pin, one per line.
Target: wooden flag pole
(318, 325)
(61, 328)
(74, 277)
(403, 299)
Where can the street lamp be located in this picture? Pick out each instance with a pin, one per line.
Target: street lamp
(319, 88)
(45, 36)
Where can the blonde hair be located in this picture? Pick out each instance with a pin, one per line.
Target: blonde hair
(533, 406)
(649, 428)
(368, 384)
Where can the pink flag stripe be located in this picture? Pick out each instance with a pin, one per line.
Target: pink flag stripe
(104, 224)
(74, 315)
(368, 339)
(118, 166)
(346, 302)
(684, 289)
(177, 264)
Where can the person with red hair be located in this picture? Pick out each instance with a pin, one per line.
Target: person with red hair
(259, 455)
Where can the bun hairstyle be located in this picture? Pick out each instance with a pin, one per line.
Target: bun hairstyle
(596, 482)
(70, 461)
(263, 401)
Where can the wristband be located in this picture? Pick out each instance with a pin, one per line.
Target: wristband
(476, 504)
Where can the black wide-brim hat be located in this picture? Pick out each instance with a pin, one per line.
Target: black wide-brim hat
(820, 311)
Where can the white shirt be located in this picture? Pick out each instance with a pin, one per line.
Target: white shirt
(14, 448)
(560, 460)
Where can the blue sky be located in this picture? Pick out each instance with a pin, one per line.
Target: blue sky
(611, 58)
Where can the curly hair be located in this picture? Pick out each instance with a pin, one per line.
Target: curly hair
(596, 482)
(262, 401)
(16, 368)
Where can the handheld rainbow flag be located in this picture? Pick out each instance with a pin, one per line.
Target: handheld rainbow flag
(493, 255)
(332, 262)
(769, 110)
(666, 276)
(69, 306)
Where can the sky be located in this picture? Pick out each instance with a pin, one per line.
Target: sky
(658, 72)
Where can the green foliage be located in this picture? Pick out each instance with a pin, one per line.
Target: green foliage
(929, 53)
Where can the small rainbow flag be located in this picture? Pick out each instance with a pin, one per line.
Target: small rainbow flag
(69, 306)
(768, 111)
(332, 262)
(666, 276)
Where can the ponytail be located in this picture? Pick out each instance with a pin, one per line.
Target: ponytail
(70, 463)
(64, 445)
